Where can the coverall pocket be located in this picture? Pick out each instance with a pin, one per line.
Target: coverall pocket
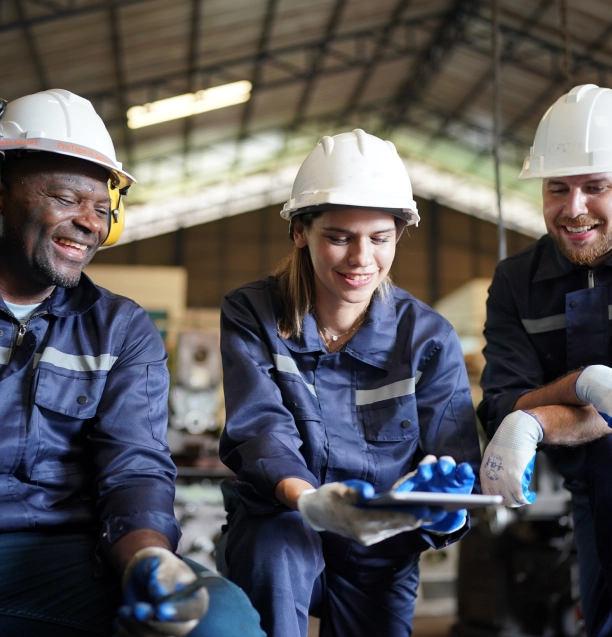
(64, 402)
(390, 420)
(76, 396)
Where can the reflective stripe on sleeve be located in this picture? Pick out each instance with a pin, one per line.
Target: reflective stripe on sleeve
(546, 324)
(394, 390)
(287, 364)
(80, 363)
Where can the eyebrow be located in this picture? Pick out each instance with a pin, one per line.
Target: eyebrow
(558, 182)
(346, 231)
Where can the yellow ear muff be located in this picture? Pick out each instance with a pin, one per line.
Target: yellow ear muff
(116, 215)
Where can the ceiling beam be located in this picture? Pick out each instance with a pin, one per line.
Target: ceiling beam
(430, 60)
(37, 60)
(383, 39)
(535, 108)
(318, 57)
(260, 58)
(284, 58)
(486, 78)
(57, 13)
(193, 54)
(120, 77)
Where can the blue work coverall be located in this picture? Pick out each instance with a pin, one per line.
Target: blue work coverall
(396, 391)
(545, 318)
(83, 461)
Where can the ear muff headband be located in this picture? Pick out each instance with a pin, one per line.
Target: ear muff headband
(116, 215)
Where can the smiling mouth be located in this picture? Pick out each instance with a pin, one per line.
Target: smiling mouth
(579, 229)
(72, 244)
(358, 277)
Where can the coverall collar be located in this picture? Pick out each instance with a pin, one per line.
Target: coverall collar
(553, 264)
(373, 342)
(70, 301)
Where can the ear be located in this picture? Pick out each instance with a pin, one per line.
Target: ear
(299, 234)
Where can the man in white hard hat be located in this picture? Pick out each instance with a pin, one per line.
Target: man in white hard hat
(548, 377)
(87, 526)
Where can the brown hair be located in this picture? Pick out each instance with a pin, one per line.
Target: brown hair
(295, 278)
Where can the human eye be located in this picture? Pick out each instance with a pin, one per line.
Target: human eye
(338, 240)
(380, 240)
(557, 190)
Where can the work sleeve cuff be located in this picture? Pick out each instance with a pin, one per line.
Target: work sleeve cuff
(115, 527)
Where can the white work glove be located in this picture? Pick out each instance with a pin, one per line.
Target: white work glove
(594, 385)
(508, 460)
(334, 507)
(152, 574)
(440, 476)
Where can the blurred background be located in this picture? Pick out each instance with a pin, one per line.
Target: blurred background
(212, 106)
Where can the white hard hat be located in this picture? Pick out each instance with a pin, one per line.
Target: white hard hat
(58, 121)
(574, 137)
(353, 169)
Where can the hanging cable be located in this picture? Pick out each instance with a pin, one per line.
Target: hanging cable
(496, 45)
(567, 48)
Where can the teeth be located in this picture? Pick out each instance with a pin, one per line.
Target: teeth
(358, 277)
(73, 244)
(579, 229)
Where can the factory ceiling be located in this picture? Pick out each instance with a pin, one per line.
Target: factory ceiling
(418, 72)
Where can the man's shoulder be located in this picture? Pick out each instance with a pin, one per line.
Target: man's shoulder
(533, 251)
(526, 261)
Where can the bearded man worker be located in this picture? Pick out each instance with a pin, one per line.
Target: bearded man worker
(548, 375)
(86, 479)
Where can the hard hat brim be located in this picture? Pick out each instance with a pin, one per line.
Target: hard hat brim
(122, 178)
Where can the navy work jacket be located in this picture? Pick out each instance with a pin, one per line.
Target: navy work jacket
(83, 407)
(397, 391)
(545, 318)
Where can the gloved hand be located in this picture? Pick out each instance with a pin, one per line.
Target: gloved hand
(335, 507)
(508, 460)
(152, 574)
(594, 385)
(440, 476)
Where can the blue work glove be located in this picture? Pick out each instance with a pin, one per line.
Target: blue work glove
(594, 385)
(339, 507)
(508, 460)
(440, 476)
(151, 575)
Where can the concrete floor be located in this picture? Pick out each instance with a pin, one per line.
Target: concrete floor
(423, 626)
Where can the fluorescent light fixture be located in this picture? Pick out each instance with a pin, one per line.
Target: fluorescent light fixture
(189, 104)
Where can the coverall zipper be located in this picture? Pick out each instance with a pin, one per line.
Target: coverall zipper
(21, 332)
(591, 279)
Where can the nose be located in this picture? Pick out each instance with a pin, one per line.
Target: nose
(90, 220)
(576, 203)
(360, 253)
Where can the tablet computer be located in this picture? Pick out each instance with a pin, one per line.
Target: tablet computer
(447, 501)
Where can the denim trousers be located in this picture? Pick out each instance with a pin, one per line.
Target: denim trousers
(52, 585)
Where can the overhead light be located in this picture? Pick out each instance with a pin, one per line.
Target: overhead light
(189, 104)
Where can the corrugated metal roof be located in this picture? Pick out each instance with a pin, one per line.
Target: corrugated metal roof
(415, 71)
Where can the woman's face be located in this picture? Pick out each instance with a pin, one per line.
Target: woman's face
(352, 250)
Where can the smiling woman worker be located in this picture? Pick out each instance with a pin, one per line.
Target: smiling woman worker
(337, 384)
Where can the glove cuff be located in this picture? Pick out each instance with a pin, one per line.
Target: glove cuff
(149, 551)
(593, 383)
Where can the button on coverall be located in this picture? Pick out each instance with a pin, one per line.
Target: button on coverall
(398, 390)
(545, 318)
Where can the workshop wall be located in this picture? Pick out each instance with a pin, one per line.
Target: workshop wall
(447, 249)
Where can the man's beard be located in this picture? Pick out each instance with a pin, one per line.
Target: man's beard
(602, 245)
(60, 279)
